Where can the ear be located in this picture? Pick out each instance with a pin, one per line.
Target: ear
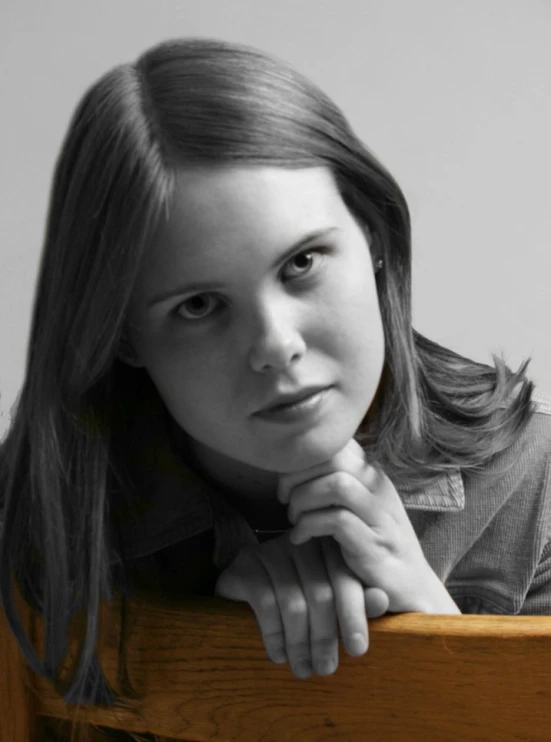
(127, 354)
(375, 250)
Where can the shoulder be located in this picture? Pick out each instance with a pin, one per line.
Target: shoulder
(513, 489)
(542, 403)
(517, 483)
(530, 455)
(538, 451)
(536, 439)
(507, 520)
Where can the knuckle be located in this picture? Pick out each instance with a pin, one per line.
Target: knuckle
(266, 601)
(296, 606)
(323, 646)
(299, 648)
(322, 596)
(343, 483)
(342, 517)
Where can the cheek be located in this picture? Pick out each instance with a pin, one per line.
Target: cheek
(362, 349)
(191, 382)
(353, 316)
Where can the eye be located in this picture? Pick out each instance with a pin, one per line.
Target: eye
(197, 307)
(302, 263)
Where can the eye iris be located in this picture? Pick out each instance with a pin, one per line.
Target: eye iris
(303, 261)
(196, 305)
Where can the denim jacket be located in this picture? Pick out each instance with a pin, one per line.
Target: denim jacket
(488, 539)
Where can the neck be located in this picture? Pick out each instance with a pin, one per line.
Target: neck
(234, 477)
(251, 490)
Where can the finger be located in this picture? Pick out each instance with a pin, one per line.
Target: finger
(351, 457)
(338, 489)
(257, 590)
(355, 536)
(292, 604)
(230, 587)
(349, 599)
(322, 614)
(377, 602)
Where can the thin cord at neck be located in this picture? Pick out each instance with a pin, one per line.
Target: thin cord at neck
(270, 530)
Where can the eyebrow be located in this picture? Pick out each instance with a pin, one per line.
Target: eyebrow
(204, 285)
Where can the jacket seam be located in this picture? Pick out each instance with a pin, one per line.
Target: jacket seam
(542, 404)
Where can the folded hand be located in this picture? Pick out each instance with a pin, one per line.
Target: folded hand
(301, 595)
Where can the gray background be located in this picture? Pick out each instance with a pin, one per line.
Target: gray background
(454, 97)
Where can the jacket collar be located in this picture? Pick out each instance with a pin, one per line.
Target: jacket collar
(446, 494)
(171, 495)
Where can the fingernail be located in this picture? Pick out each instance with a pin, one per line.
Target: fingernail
(326, 665)
(358, 644)
(278, 656)
(303, 669)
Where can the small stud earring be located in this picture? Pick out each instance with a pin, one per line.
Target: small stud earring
(378, 265)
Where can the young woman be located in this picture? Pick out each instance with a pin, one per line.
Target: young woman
(224, 393)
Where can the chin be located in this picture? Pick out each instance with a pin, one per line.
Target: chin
(297, 455)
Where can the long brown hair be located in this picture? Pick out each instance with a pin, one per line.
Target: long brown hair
(190, 102)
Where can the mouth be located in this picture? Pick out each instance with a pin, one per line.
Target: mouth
(285, 401)
(302, 407)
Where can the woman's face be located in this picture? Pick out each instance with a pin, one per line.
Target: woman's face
(234, 309)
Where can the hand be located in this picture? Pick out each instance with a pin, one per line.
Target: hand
(298, 594)
(358, 506)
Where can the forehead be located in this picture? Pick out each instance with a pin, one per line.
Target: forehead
(242, 201)
(234, 226)
(215, 213)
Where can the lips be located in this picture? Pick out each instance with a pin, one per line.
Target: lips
(284, 400)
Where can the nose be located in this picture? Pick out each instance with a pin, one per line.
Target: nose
(277, 341)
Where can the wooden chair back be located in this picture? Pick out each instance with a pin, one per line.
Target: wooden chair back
(201, 673)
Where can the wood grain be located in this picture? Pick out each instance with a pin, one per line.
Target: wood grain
(17, 713)
(202, 673)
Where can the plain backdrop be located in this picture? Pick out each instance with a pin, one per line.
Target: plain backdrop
(453, 97)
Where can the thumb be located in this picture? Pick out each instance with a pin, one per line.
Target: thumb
(228, 585)
(376, 602)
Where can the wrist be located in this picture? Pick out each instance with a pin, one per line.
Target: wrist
(434, 598)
